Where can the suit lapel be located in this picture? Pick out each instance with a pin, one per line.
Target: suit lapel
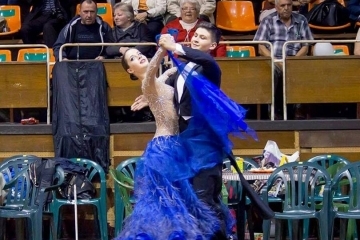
(185, 89)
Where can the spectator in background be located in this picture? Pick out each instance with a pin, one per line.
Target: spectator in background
(150, 12)
(186, 25)
(85, 28)
(354, 8)
(277, 28)
(127, 30)
(269, 7)
(47, 17)
(207, 9)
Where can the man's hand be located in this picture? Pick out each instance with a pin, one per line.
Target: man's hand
(141, 17)
(140, 103)
(167, 42)
(99, 58)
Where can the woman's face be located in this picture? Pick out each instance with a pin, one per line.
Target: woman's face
(189, 13)
(121, 19)
(136, 61)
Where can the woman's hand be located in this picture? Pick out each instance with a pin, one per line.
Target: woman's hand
(140, 103)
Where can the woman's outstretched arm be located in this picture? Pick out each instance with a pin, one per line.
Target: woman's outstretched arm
(153, 68)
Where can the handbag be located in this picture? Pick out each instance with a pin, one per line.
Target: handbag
(329, 13)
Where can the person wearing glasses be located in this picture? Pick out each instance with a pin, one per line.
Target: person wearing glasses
(206, 10)
(190, 17)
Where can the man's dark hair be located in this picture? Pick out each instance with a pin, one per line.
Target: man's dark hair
(125, 65)
(88, 1)
(212, 29)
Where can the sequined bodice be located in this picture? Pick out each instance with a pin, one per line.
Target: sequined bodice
(160, 97)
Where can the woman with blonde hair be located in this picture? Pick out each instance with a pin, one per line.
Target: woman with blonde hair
(127, 30)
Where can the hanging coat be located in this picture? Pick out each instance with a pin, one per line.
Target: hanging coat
(80, 118)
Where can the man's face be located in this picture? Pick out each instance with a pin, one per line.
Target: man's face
(189, 13)
(202, 40)
(88, 12)
(284, 9)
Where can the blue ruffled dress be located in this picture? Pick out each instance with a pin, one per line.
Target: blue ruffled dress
(167, 207)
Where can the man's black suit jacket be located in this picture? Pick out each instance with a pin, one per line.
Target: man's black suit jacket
(206, 66)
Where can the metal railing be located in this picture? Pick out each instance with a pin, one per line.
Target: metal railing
(272, 113)
(47, 69)
(284, 62)
(99, 44)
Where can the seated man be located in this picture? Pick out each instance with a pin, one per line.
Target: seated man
(277, 28)
(47, 17)
(86, 28)
(298, 5)
(186, 25)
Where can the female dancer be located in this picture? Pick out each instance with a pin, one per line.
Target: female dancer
(166, 206)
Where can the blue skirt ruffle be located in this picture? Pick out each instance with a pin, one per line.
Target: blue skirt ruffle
(167, 207)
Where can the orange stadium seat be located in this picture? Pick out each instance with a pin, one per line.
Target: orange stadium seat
(235, 16)
(12, 15)
(312, 26)
(5, 55)
(34, 54)
(104, 11)
(341, 49)
(240, 51)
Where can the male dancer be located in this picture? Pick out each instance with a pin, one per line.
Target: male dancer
(208, 181)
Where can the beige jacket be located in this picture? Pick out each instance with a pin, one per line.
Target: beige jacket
(207, 8)
(156, 7)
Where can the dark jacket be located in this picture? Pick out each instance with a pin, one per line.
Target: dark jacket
(137, 33)
(354, 8)
(80, 118)
(67, 35)
(37, 5)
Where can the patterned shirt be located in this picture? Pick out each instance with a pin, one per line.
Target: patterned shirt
(272, 29)
(49, 7)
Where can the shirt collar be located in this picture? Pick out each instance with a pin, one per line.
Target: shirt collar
(294, 19)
